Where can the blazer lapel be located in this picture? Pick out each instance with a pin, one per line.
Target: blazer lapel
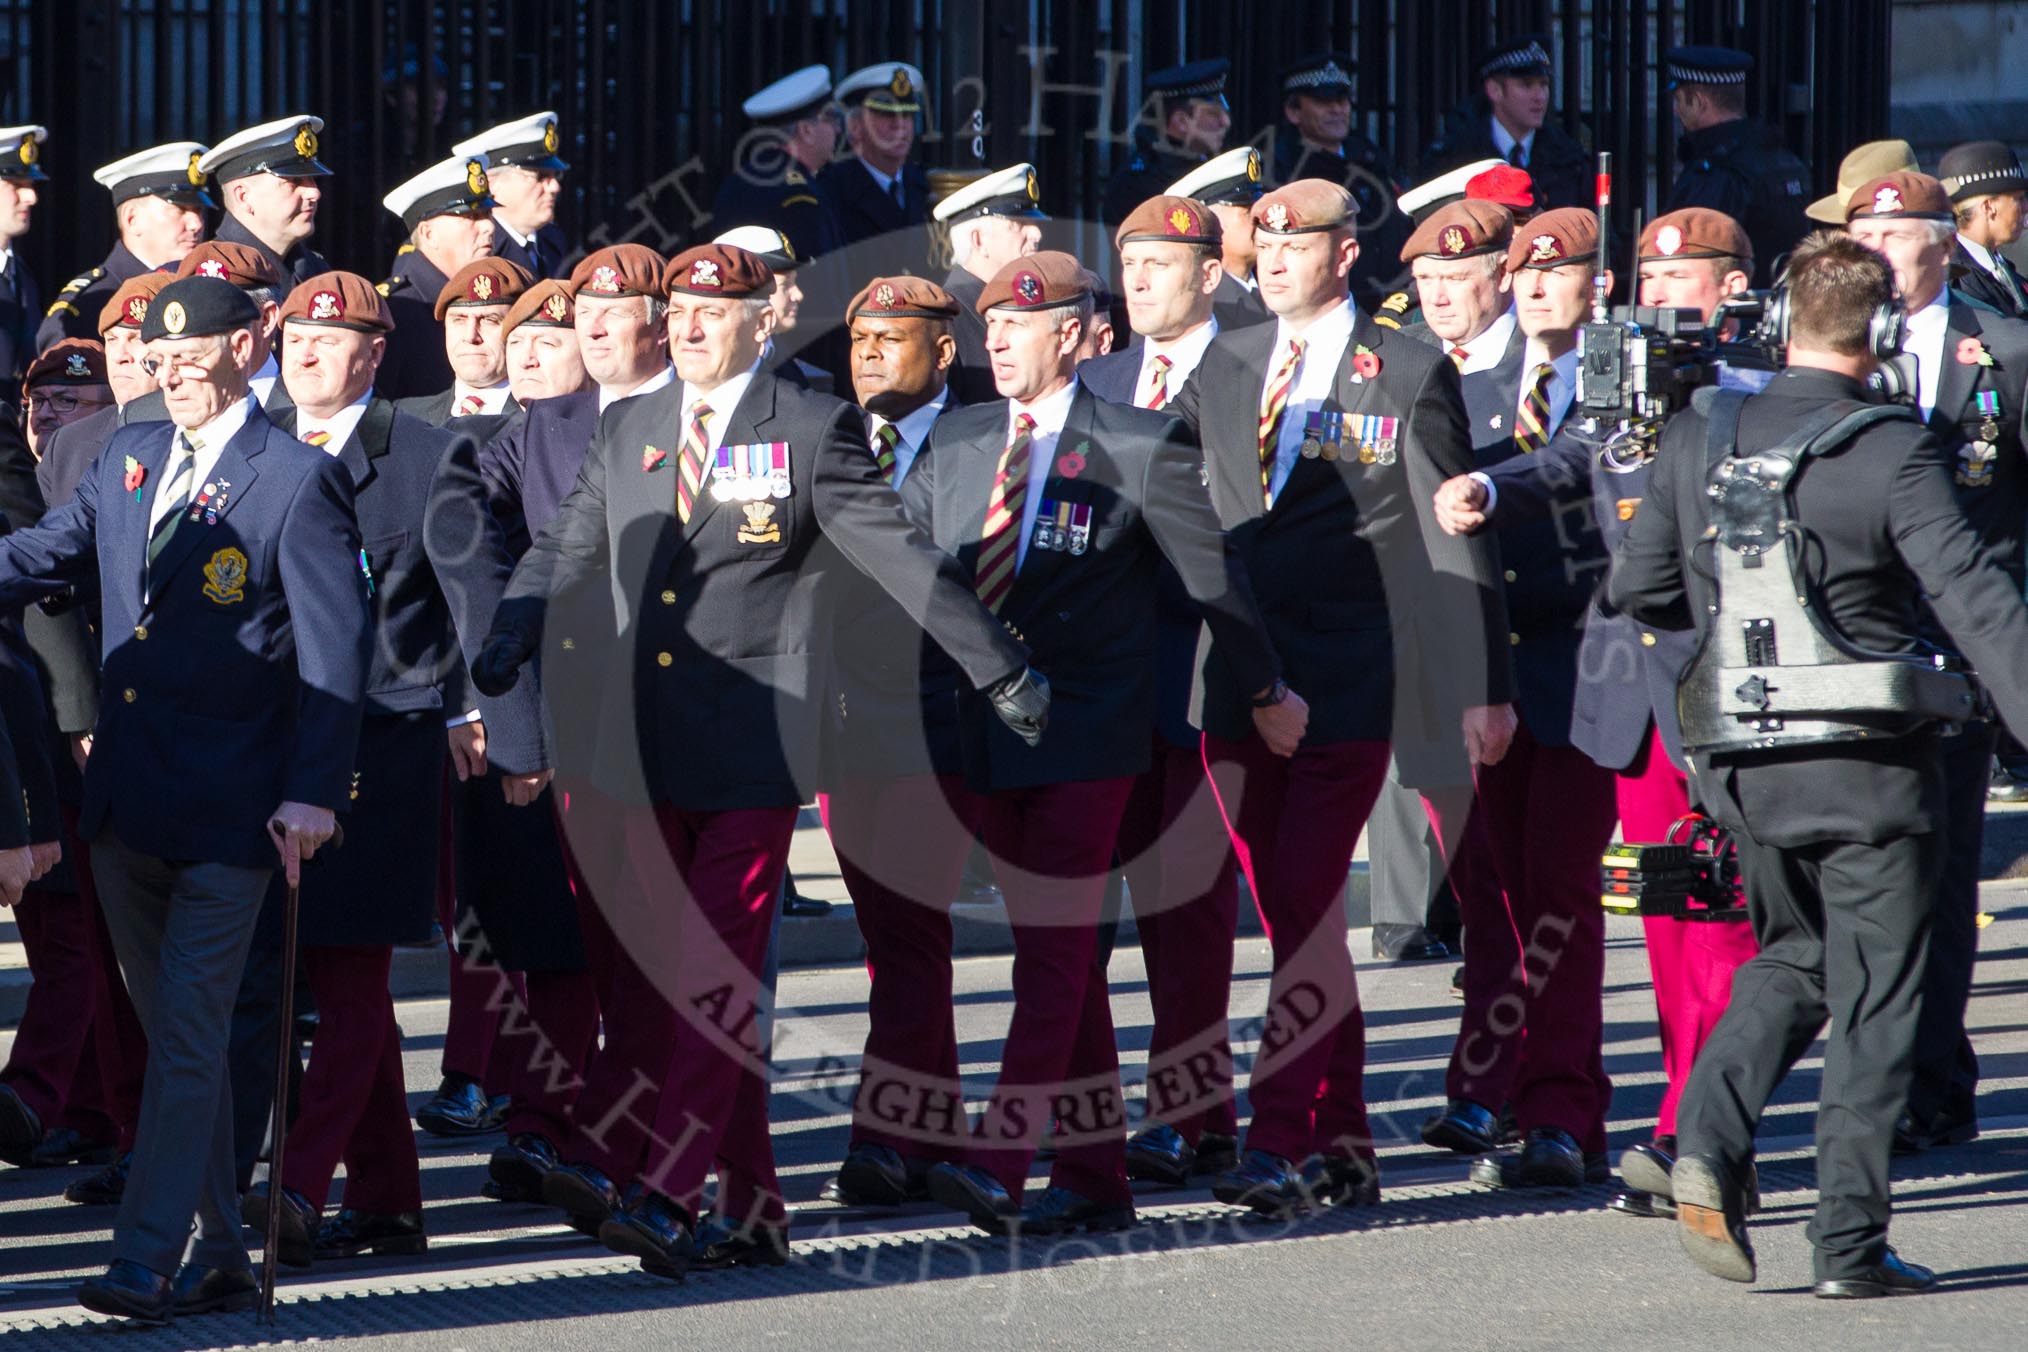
(1955, 379)
(1243, 387)
(1350, 394)
(741, 423)
(368, 442)
(1042, 564)
(229, 481)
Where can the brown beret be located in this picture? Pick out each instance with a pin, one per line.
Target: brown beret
(547, 304)
(69, 361)
(1304, 207)
(484, 281)
(241, 264)
(1693, 232)
(902, 298)
(1565, 235)
(1906, 195)
(1171, 220)
(1041, 281)
(1461, 230)
(618, 270)
(718, 270)
(339, 300)
(129, 305)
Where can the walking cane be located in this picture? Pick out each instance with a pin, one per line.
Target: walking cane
(285, 1051)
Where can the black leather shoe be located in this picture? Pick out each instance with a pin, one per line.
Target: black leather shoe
(300, 1222)
(654, 1229)
(1644, 1205)
(1597, 1168)
(1499, 1169)
(797, 906)
(104, 1188)
(20, 1127)
(586, 1196)
(499, 1108)
(130, 1291)
(67, 1145)
(719, 1244)
(1550, 1158)
(458, 1108)
(1159, 1154)
(1645, 1167)
(518, 1167)
(1408, 943)
(351, 1233)
(1463, 1128)
(1058, 1211)
(1916, 1132)
(1340, 1180)
(206, 1290)
(1510, 1126)
(872, 1175)
(1216, 1152)
(1889, 1277)
(967, 1188)
(1458, 983)
(1262, 1182)
(1711, 1217)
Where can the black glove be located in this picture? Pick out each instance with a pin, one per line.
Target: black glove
(499, 663)
(1022, 701)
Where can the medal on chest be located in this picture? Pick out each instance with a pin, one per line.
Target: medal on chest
(751, 472)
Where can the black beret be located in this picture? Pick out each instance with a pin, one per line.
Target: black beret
(198, 307)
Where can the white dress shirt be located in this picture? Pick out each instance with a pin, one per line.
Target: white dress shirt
(913, 429)
(492, 398)
(341, 425)
(1324, 344)
(500, 224)
(721, 401)
(886, 181)
(1562, 394)
(1504, 142)
(1487, 350)
(1183, 353)
(211, 441)
(1925, 340)
(1049, 413)
(661, 379)
(263, 382)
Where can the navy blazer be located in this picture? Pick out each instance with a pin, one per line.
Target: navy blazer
(240, 670)
(1113, 376)
(531, 464)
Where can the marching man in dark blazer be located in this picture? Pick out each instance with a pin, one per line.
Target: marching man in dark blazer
(353, 1107)
(473, 308)
(1324, 438)
(713, 505)
(1063, 505)
(236, 644)
(267, 179)
(526, 176)
(1173, 848)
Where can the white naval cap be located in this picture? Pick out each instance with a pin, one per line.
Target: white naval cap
(453, 187)
(792, 97)
(886, 86)
(1004, 192)
(168, 171)
(1233, 177)
(1444, 188)
(530, 143)
(21, 152)
(285, 146)
(766, 243)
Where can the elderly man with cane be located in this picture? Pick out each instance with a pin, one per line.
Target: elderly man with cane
(235, 647)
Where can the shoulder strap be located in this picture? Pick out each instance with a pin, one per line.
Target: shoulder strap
(1720, 408)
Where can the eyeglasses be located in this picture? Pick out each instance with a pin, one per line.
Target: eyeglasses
(62, 401)
(187, 368)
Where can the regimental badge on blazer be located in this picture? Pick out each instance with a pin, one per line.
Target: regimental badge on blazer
(760, 526)
(1975, 464)
(225, 577)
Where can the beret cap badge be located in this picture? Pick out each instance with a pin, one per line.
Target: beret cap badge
(1028, 288)
(1668, 240)
(173, 318)
(1452, 242)
(1886, 201)
(605, 280)
(555, 307)
(1277, 216)
(884, 297)
(1544, 248)
(327, 305)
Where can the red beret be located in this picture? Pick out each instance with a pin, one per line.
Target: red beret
(1505, 185)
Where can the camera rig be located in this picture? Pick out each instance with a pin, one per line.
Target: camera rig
(1691, 875)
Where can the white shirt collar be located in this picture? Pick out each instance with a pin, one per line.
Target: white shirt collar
(1504, 142)
(1184, 353)
(721, 401)
(1049, 412)
(262, 383)
(1324, 344)
(914, 428)
(662, 379)
(492, 398)
(1332, 329)
(341, 425)
(1484, 352)
(513, 234)
(886, 181)
(1924, 339)
(211, 440)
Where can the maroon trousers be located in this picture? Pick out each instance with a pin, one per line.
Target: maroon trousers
(714, 875)
(353, 1107)
(1539, 968)
(902, 844)
(1185, 883)
(1690, 961)
(1294, 822)
(1052, 848)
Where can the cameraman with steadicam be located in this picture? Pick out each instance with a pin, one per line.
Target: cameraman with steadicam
(1795, 531)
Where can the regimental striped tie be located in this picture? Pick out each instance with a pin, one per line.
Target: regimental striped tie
(469, 405)
(1531, 433)
(1158, 383)
(316, 438)
(1000, 544)
(690, 465)
(1459, 356)
(175, 493)
(884, 442)
(1273, 400)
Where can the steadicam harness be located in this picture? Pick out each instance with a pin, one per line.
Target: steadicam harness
(1773, 669)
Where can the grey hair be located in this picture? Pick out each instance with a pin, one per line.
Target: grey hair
(754, 306)
(1082, 309)
(1942, 232)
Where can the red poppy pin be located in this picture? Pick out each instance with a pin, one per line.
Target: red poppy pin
(1365, 362)
(652, 458)
(1972, 352)
(1072, 465)
(137, 474)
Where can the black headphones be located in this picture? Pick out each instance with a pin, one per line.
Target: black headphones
(1886, 327)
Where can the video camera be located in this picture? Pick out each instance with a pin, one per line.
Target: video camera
(1693, 875)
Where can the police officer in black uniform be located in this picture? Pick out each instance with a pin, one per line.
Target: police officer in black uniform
(1509, 120)
(1836, 805)
(1987, 191)
(447, 210)
(267, 179)
(1188, 127)
(1317, 140)
(159, 202)
(1729, 163)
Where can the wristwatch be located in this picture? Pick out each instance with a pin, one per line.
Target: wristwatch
(1276, 693)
